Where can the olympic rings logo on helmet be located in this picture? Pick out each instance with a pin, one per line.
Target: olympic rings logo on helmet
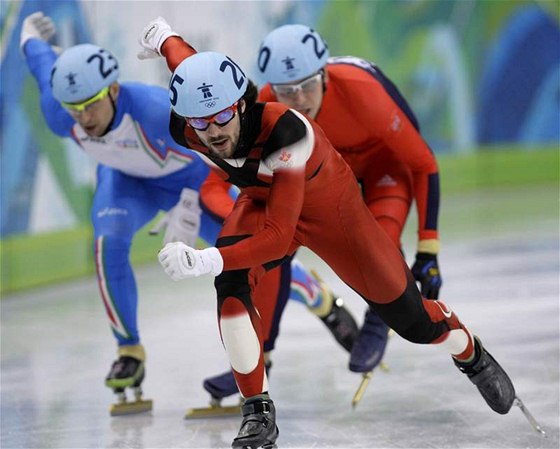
(290, 53)
(81, 72)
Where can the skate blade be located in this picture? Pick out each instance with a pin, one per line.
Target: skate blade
(131, 408)
(365, 382)
(218, 411)
(534, 424)
(362, 388)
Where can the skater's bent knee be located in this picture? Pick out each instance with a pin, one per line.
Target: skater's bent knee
(408, 318)
(421, 332)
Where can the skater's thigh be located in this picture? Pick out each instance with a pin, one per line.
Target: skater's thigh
(389, 197)
(358, 250)
(121, 205)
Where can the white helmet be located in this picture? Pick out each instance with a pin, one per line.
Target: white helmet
(81, 72)
(205, 84)
(290, 53)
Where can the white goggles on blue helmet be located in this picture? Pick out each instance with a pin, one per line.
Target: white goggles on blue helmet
(293, 89)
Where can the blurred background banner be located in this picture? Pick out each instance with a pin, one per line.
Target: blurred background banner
(475, 72)
(483, 77)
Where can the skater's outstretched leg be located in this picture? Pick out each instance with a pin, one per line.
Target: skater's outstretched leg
(432, 321)
(258, 428)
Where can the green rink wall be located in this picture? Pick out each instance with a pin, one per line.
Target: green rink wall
(29, 261)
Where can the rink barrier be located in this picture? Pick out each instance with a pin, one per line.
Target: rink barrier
(31, 261)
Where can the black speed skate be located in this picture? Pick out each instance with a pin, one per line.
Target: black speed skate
(341, 324)
(494, 384)
(220, 387)
(489, 377)
(258, 428)
(369, 346)
(127, 372)
(338, 319)
(368, 350)
(224, 385)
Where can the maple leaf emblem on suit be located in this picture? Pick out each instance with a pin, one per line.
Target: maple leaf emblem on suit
(285, 156)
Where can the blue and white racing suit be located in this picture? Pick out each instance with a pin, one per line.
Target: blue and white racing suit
(141, 171)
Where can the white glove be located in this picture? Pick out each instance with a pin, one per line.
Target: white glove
(180, 261)
(152, 38)
(182, 223)
(36, 25)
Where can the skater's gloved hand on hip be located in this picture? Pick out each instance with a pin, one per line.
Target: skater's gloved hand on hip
(36, 26)
(426, 271)
(152, 38)
(180, 261)
(182, 222)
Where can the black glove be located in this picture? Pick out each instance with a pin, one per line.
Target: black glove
(426, 271)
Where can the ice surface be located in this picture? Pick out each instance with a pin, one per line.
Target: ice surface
(57, 348)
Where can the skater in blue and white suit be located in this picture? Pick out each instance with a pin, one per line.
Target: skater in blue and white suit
(124, 127)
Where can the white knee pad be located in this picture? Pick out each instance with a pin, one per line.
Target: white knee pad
(241, 342)
(457, 341)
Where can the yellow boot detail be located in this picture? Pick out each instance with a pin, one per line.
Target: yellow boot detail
(327, 298)
(135, 351)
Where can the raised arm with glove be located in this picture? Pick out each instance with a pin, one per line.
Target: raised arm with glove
(152, 38)
(37, 26)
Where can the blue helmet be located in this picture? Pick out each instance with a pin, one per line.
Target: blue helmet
(80, 72)
(290, 53)
(205, 84)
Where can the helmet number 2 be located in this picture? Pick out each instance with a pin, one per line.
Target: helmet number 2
(236, 72)
(103, 71)
(318, 52)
